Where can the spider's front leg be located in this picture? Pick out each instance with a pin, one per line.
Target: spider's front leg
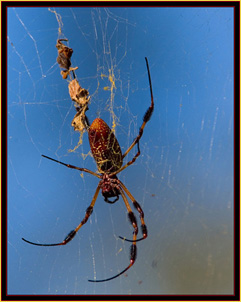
(147, 115)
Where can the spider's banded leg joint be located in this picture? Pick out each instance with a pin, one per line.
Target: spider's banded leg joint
(144, 231)
(88, 212)
(70, 166)
(69, 237)
(138, 147)
(133, 222)
(133, 253)
(148, 114)
(139, 209)
(143, 226)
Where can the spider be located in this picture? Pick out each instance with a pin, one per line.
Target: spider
(63, 59)
(109, 159)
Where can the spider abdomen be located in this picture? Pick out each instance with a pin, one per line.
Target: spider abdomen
(104, 147)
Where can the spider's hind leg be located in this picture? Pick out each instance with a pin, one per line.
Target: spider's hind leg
(139, 209)
(71, 234)
(133, 249)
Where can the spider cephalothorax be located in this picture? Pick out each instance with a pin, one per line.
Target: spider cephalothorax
(109, 159)
(110, 187)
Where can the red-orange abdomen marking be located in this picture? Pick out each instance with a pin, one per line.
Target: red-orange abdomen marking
(104, 147)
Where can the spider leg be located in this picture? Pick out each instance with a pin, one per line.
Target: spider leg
(146, 117)
(133, 256)
(133, 249)
(129, 162)
(73, 167)
(139, 209)
(71, 234)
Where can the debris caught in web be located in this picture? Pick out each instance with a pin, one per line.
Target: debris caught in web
(63, 59)
(77, 94)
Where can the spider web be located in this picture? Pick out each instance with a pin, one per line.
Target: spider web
(183, 178)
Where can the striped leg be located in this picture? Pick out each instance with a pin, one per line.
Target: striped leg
(139, 209)
(71, 234)
(133, 250)
(147, 115)
(73, 167)
(129, 162)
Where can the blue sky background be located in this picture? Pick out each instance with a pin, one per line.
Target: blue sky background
(183, 178)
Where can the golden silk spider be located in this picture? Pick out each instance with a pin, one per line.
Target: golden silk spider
(109, 159)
